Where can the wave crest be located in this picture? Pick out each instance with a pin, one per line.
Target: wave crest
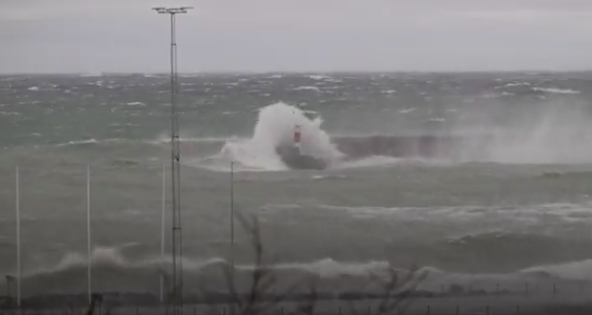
(112, 272)
(275, 128)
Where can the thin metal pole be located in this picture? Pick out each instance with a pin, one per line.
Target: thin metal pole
(162, 229)
(88, 245)
(232, 221)
(18, 238)
(8, 297)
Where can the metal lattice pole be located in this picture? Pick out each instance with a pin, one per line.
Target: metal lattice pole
(176, 240)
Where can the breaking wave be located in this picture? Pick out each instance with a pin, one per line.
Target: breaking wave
(274, 128)
(113, 272)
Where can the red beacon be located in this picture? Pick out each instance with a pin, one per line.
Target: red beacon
(297, 136)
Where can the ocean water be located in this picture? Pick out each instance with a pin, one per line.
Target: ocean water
(508, 203)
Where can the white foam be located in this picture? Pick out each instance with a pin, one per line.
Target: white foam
(99, 255)
(307, 87)
(407, 110)
(3, 113)
(275, 126)
(323, 177)
(319, 77)
(555, 90)
(136, 104)
(33, 88)
(513, 84)
(328, 267)
(75, 142)
(113, 257)
(522, 215)
(576, 270)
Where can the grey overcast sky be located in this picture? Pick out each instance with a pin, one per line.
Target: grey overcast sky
(42, 36)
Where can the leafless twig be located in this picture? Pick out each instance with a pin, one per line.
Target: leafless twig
(259, 297)
(396, 286)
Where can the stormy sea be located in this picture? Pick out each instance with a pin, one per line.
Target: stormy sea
(482, 181)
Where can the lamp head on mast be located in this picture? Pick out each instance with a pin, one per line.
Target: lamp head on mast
(163, 10)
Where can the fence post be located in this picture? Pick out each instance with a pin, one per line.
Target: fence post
(517, 309)
(340, 310)
(457, 310)
(487, 310)
(428, 310)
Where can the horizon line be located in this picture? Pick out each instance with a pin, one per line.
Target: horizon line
(165, 73)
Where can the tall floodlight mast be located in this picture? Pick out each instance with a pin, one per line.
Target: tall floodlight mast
(176, 285)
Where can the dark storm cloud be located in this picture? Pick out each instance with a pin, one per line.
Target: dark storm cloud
(272, 35)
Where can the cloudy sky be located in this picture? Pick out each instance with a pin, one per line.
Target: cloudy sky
(297, 35)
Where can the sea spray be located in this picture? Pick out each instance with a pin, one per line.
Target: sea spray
(553, 134)
(275, 127)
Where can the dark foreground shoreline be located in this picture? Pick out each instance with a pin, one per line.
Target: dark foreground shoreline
(419, 302)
